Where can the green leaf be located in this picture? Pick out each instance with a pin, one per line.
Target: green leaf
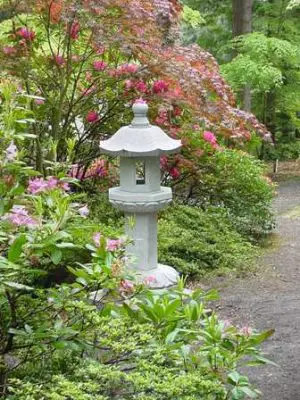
(66, 245)
(56, 256)
(18, 286)
(249, 392)
(172, 336)
(17, 190)
(261, 337)
(16, 248)
(234, 377)
(259, 360)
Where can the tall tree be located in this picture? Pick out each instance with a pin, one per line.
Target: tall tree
(242, 24)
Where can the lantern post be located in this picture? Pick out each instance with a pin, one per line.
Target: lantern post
(140, 195)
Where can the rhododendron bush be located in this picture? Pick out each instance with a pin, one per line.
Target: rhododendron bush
(86, 61)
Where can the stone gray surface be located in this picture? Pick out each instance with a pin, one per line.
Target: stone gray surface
(140, 195)
(140, 138)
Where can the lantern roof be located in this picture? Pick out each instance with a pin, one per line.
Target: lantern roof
(140, 138)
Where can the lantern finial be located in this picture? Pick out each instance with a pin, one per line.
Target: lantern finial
(140, 111)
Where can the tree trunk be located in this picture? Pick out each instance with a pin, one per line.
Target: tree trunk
(242, 24)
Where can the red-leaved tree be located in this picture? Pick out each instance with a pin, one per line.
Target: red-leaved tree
(88, 60)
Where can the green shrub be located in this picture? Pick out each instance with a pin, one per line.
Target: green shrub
(234, 180)
(156, 346)
(196, 241)
(283, 151)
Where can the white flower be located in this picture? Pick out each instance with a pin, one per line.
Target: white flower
(84, 211)
(11, 152)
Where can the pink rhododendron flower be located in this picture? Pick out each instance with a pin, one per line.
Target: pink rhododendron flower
(92, 117)
(97, 238)
(97, 169)
(141, 86)
(84, 211)
(99, 65)
(37, 185)
(59, 60)
(40, 185)
(19, 217)
(113, 244)
(129, 84)
(164, 162)
(11, 152)
(209, 137)
(74, 30)
(175, 173)
(127, 69)
(160, 86)
(132, 68)
(126, 286)
(26, 34)
(162, 118)
(52, 182)
(39, 102)
(76, 171)
(64, 185)
(9, 50)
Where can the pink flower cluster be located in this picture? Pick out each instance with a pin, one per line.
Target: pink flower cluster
(40, 185)
(124, 69)
(126, 286)
(127, 69)
(59, 60)
(111, 244)
(19, 217)
(92, 117)
(160, 86)
(162, 119)
(97, 169)
(210, 138)
(173, 170)
(26, 34)
(74, 30)
(140, 85)
(99, 65)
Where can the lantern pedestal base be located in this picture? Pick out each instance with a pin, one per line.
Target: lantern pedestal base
(161, 277)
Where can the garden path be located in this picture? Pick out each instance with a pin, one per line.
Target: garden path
(271, 299)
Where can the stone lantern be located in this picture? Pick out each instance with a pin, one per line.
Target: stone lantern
(140, 195)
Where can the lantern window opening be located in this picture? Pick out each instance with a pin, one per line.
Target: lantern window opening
(140, 172)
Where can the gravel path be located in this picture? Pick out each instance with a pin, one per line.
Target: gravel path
(271, 299)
